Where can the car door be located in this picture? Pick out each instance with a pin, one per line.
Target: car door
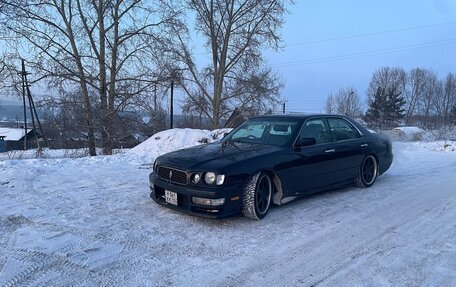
(349, 146)
(312, 165)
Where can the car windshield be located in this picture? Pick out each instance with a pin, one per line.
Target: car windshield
(265, 131)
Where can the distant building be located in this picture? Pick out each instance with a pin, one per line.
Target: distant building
(13, 138)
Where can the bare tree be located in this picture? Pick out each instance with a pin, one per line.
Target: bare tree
(3, 69)
(389, 80)
(348, 102)
(123, 49)
(235, 33)
(449, 97)
(108, 46)
(330, 106)
(428, 98)
(431, 92)
(416, 85)
(345, 102)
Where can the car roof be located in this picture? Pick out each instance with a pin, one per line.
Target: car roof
(303, 117)
(295, 116)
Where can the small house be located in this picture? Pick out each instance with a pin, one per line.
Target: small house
(13, 138)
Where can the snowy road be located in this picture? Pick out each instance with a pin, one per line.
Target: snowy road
(90, 222)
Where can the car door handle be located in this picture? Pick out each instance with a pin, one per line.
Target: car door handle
(364, 145)
(330, 150)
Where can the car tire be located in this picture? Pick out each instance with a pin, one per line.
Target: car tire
(368, 172)
(257, 196)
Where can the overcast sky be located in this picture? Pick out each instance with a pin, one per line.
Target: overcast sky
(333, 44)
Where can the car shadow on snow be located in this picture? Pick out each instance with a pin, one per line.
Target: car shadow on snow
(349, 195)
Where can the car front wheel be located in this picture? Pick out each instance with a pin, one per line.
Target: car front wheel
(257, 196)
(368, 172)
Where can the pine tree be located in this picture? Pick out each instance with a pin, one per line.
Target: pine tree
(386, 109)
(394, 110)
(373, 115)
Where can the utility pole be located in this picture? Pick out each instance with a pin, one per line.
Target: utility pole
(33, 113)
(283, 108)
(171, 108)
(23, 73)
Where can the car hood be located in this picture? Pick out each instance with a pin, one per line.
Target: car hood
(215, 156)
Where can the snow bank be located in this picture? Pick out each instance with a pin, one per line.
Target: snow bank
(144, 153)
(408, 133)
(435, 146)
(52, 153)
(444, 133)
(174, 139)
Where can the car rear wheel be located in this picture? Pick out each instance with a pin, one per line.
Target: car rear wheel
(368, 172)
(257, 196)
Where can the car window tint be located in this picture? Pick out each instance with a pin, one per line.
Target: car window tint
(277, 132)
(315, 128)
(342, 129)
(255, 130)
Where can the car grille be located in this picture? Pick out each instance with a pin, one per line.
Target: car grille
(172, 175)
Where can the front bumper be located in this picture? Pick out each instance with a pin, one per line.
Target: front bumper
(232, 195)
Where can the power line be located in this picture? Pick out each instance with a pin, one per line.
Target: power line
(361, 35)
(367, 53)
(370, 34)
(9, 37)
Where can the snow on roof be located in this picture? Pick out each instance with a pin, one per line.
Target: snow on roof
(12, 134)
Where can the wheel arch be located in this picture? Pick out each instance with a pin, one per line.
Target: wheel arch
(276, 184)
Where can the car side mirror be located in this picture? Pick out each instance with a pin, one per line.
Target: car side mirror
(305, 142)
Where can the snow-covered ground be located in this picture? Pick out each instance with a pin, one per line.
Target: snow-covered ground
(90, 222)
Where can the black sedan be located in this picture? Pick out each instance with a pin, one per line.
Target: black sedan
(266, 160)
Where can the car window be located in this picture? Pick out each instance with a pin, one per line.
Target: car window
(253, 130)
(342, 129)
(317, 129)
(265, 131)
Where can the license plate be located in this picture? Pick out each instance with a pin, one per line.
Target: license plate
(171, 197)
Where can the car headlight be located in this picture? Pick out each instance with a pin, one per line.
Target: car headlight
(209, 177)
(195, 178)
(220, 179)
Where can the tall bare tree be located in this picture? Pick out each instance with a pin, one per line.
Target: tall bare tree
(348, 102)
(431, 96)
(449, 97)
(107, 46)
(330, 106)
(416, 86)
(387, 79)
(345, 102)
(235, 32)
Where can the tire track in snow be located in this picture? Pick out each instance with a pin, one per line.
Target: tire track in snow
(401, 211)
